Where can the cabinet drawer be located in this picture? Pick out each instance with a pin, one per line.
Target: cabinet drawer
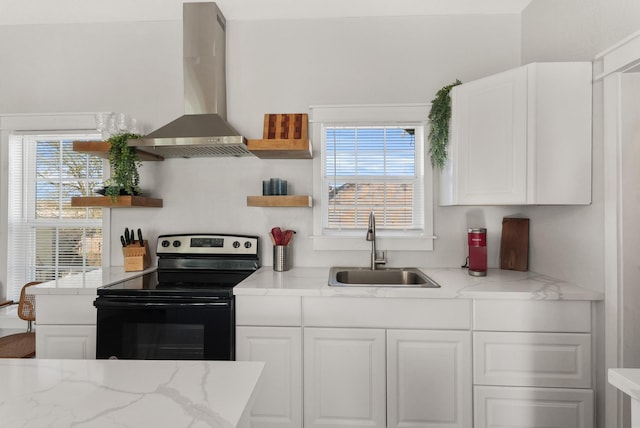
(268, 310)
(532, 359)
(532, 407)
(387, 313)
(532, 315)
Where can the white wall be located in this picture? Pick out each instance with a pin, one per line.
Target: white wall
(579, 30)
(575, 30)
(272, 67)
(568, 242)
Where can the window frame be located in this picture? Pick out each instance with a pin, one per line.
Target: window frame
(410, 115)
(64, 123)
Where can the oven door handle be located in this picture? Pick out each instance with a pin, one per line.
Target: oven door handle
(167, 305)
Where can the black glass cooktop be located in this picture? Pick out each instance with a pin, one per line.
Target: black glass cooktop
(213, 284)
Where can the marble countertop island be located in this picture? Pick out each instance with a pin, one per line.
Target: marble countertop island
(126, 393)
(627, 381)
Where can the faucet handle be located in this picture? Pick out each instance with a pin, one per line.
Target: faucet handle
(381, 257)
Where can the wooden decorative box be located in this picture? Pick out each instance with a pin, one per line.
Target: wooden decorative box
(136, 257)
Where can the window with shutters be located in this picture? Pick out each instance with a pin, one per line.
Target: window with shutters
(373, 159)
(48, 238)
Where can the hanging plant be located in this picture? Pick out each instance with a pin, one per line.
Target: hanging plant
(124, 163)
(439, 117)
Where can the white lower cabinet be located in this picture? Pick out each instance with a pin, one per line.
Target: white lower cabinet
(66, 326)
(387, 378)
(66, 341)
(532, 364)
(338, 362)
(344, 377)
(279, 395)
(428, 375)
(518, 407)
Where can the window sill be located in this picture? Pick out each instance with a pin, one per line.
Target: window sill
(334, 243)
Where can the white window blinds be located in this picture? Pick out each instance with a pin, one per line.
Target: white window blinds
(48, 238)
(373, 168)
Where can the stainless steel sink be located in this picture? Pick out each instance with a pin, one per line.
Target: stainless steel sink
(384, 277)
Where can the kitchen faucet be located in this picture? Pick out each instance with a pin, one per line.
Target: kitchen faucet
(371, 236)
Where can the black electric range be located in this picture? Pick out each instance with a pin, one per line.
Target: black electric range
(184, 310)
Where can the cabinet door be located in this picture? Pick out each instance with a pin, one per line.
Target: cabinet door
(532, 407)
(278, 400)
(488, 144)
(66, 341)
(429, 378)
(344, 372)
(559, 140)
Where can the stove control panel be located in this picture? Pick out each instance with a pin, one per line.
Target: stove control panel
(207, 243)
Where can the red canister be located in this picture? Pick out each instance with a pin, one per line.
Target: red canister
(477, 251)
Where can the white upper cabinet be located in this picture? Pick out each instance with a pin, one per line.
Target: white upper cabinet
(521, 137)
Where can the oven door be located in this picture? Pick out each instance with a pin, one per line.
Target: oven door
(165, 328)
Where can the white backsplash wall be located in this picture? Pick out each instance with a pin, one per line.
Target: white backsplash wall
(286, 66)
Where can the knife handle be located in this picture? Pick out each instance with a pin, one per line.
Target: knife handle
(140, 238)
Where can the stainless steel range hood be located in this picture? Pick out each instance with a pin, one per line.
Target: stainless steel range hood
(203, 130)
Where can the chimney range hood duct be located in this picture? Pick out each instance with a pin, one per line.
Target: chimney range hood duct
(203, 130)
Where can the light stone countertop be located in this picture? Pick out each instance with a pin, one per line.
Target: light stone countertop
(313, 281)
(454, 283)
(86, 283)
(126, 393)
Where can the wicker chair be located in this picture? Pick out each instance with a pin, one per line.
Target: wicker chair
(22, 345)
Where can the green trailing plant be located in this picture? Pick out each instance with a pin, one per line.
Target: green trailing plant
(439, 117)
(124, 163)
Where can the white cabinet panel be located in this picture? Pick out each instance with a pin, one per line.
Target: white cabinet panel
(272, 310)
(428, 379)
(66, 309)
(532, 315)
(344, 377)
(387, 313)
(498, 407)
(532, 359)
(489, 131)
(66, 341)
(278, 400)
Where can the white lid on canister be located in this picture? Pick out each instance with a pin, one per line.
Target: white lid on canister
(477, 230)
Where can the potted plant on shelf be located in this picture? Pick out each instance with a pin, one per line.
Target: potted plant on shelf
(439, 117)
(124, 163)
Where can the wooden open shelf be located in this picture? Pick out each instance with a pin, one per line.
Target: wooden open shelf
(280, 201)
(101, 149)
(120, 202)
(280, 149)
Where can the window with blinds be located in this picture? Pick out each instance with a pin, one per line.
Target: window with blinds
(48, 238)
(372, 168)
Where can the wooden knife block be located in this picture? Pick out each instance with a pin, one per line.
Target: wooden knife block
(136, 257)
(514, 244)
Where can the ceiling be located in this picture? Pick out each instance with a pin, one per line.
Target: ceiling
(18, 12)
(314, 9)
